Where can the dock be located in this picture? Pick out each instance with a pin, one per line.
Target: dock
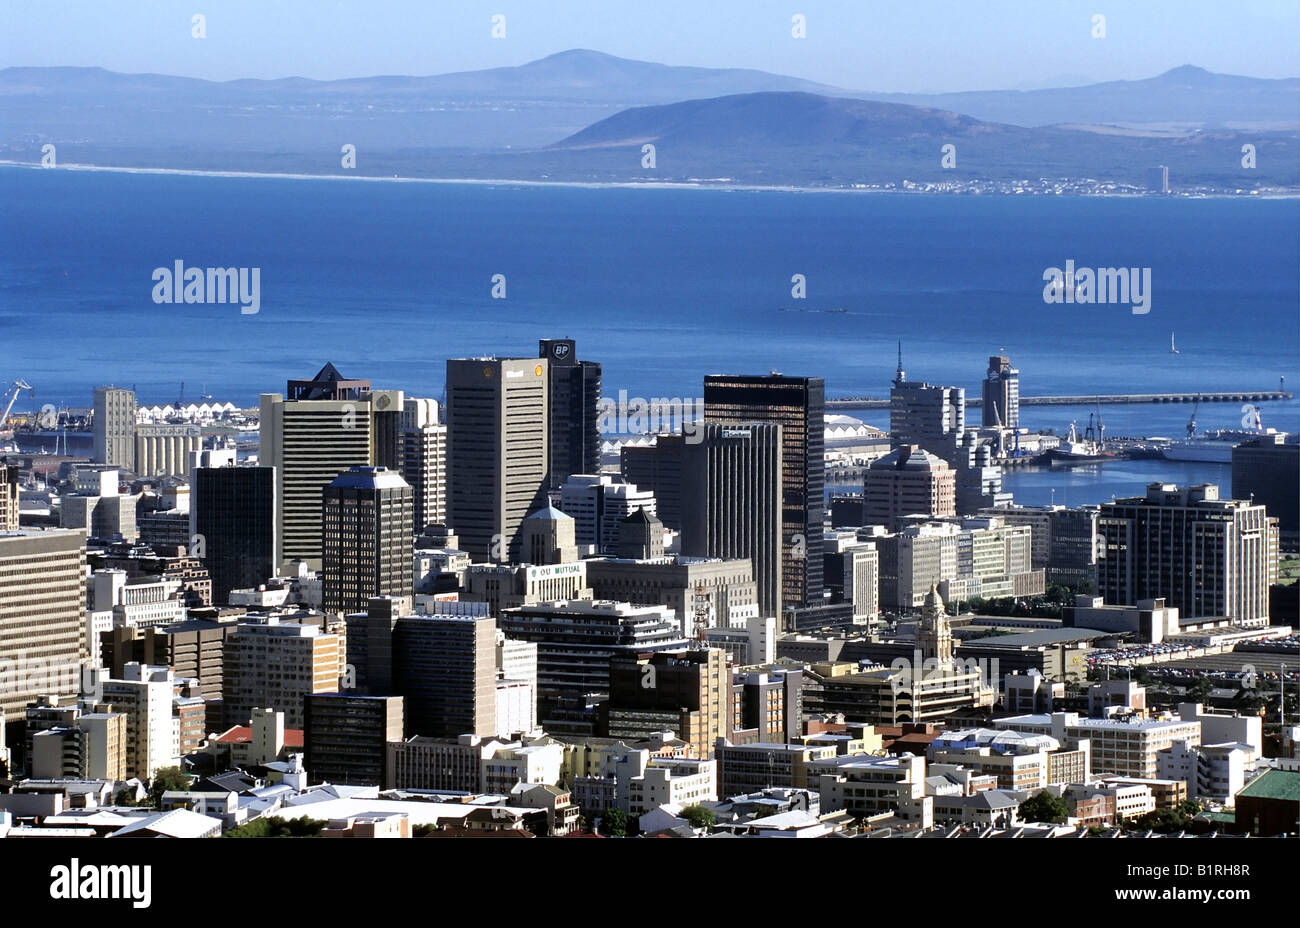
(1092, 399)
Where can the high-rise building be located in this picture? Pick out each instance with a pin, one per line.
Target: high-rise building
(575, 400)
(688, 693)
(907, 482)
(577, 639)
(114, 425)
(548, 536)
(1205, 556)
(347, 736)
(732, 481)
(1001, 394)
(598, 503)
(797, 405)
(233, 526)
(924, 415)
(445, 666)
(322, 427)
(274, 665)
(8, 498)
(658, 469)
(144, 695)
(424, 460)
(1266, 471)
(368, 539)
(42, 615)
(497, 451)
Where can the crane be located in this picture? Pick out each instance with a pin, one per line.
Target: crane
(1191, 423)
(18, 387)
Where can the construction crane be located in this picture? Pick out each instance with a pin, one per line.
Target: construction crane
(1191, 423)
(18, 386)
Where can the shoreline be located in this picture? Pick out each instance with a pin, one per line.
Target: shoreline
(612, 185)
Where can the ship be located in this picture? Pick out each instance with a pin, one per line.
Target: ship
(1088, 449)
(1215, 445)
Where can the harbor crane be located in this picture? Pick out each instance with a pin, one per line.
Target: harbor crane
(17, 387)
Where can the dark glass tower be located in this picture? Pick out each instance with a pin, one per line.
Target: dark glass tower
(234, 513)
(797, 404)
(575, 397)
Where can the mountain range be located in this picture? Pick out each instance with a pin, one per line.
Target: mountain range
(583, 115)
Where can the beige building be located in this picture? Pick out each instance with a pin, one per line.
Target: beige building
(1126, 747)
(8, 498)
(42, 616)
(165, 449)
(907, 482)
(274, 665)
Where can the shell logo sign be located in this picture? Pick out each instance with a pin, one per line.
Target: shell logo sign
(538, 370)
(487, 372)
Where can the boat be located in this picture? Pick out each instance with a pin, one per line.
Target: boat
(1215, 445)
(1088, 449)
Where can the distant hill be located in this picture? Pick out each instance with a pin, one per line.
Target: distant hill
(582, 115)
(1186, 96)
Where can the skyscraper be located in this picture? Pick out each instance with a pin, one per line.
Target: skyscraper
(270, 665)
(446, 668)
(232, 523)
(424, 460)
(731, 494)
(115, 427)
(797, 405)
(575, 397)
(322, 427)
(658, 468)
(42, 609)
(497, 450)
(1001, 394)
(1206, 556)
(367, 537)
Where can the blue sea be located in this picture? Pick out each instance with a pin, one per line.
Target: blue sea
(389, 279)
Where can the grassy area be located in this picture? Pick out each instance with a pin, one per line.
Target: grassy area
(1288, 570)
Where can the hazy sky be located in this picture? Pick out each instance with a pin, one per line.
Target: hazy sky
(882, 45)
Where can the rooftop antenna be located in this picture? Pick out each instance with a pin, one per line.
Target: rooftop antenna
(900, 375)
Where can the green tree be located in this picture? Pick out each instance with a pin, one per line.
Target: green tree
(699, 817)
(1044, 807)
(614, 823)
(168, 778)
(125, 797)
(276, 827)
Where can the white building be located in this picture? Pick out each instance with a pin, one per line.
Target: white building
(144, 695)
(1214, 772)
(598, 503)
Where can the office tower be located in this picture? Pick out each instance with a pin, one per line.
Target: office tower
(907, 482)
(797, 405)
(347, 736)
(100, 508)
(853, 574)
(424, 460)
(8, 498)
(233, 526)
(497, 451)
(516, 685)
(548, 536)
(640, 536)
(1064, 540)
(318, 430)
(731, 497)
(1001, 394)
(387, 415)
(42, 610)
(270, 665)
(370, 644)
(658, 469)
(702, 592)
(979, 478)
(445, 666)
(192, 648)
(576, 640)
(575, 400)
(598, 503)
(367, 538)
(165, 449)
(144, 695)
(1266, 471)
(1204, 555)
(688, 693)
(114, 417)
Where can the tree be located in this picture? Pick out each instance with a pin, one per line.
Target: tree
(1044, 807)
(167, 778)
(699, 817)
(276, 827)
(613, 824)
(125, 797)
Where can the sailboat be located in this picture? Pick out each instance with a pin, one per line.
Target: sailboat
(1173, 349)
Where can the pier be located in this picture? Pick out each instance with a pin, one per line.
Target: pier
(1092, 399)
